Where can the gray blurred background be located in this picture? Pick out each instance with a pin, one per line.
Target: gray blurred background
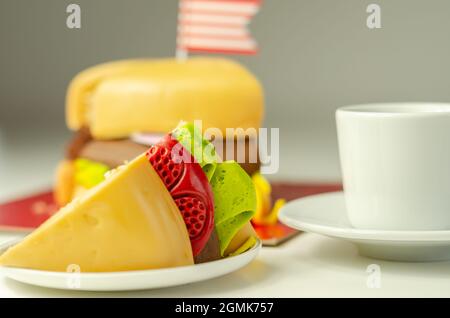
(315, 56)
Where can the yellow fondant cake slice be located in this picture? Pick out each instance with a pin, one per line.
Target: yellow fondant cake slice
(127, 222)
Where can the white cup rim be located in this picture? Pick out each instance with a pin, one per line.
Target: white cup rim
(397, 109)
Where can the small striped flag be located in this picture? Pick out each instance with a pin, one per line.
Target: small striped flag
(216, 26)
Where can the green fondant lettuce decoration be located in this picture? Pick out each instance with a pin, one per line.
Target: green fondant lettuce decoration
(234, 201)
(233, 189)
(203, 151)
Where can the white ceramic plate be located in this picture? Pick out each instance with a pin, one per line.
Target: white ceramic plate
(326, 214)
(129, 280)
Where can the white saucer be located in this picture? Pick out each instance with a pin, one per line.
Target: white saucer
(130, 280)
(325, 214)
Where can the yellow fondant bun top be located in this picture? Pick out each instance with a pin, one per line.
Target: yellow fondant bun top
(120, 98)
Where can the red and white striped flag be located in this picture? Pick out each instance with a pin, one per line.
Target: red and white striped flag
(216, 26)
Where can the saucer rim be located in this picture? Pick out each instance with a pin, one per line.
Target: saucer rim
(351, 233)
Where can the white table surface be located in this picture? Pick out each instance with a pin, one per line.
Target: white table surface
(308, 266)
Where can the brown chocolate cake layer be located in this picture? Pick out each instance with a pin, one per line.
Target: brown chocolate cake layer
(247, 146)
(115, 152)
(112, 153)
(211, 251)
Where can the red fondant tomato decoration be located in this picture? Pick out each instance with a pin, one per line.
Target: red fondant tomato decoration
(188, 186)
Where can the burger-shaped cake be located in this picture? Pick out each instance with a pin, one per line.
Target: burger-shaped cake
(119, 109)
(134, 196)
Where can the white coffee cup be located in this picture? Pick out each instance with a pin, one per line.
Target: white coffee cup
(395, 161)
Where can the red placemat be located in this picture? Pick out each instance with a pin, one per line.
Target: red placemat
(273, 235)
(27, 213)
(291, 191)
